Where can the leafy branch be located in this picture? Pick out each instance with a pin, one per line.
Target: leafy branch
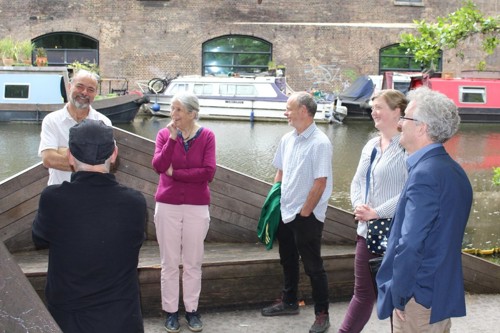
(448, 32)
(86, 65)
(496, 176)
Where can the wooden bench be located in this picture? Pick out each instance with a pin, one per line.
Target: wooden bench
(234, 274)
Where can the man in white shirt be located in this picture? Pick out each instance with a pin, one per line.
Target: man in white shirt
(304, 163)
(54, 136)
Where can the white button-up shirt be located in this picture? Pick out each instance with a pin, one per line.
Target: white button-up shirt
(304, 158)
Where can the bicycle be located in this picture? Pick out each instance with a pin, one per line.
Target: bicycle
(158, 85)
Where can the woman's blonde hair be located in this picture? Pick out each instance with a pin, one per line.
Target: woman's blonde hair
(394, 99)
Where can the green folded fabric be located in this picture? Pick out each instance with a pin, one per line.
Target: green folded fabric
(270, 217)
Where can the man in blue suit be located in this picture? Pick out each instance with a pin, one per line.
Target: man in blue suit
(420, 281)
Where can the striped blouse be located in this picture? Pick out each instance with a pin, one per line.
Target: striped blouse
(387, 178)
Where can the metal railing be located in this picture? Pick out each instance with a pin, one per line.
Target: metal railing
(64, 57)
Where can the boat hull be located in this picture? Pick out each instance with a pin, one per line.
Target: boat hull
(479, 115)
(239, 109)
(119, 109)
(356, 111)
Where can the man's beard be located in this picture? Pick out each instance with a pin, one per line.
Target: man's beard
(80, 105)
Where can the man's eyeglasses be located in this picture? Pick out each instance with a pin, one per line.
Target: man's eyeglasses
(407, 118)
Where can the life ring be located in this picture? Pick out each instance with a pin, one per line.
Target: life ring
(157, 85)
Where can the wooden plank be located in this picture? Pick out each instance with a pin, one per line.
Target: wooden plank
(236, 178)
(10, 187)
(136, 142)
(145, 186)
(232, 274)
(137, 160)
(234, 211)
(480, 275)
(16, 213)
(238, 193)
(21, 306)
(17, 237)
(221, 231)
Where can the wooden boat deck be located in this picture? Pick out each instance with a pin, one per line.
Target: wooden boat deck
(237, 270)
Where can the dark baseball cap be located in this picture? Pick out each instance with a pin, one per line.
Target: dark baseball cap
(91, 141)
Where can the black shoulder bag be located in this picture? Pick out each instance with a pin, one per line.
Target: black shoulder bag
(376, 239)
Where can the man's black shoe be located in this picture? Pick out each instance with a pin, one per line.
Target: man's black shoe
(281, 308)
(321, 323)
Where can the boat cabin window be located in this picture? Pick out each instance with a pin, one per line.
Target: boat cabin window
(203, 89)
(472, 95)
(17, 91)
(237, 90)
(408, 2)
(179, 87)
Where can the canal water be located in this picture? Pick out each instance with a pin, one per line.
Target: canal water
(249, 148)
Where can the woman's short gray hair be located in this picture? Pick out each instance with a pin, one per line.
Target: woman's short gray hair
(189, 101)
(437, 111)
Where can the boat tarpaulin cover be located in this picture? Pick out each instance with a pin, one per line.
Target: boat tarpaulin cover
(361, 90)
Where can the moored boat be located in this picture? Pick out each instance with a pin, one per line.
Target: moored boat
(356, 98)
(258, 98)
(30, 93)
(475, 93)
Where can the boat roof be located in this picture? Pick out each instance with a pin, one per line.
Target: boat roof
(222, 79)
(32, 85)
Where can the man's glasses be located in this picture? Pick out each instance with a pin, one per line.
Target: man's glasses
(407, 118)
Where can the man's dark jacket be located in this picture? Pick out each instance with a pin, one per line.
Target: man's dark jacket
(94, 228)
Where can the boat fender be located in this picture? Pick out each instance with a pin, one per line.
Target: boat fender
(155, 107)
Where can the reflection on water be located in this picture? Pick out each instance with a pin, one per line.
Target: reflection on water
(250, 149)
(18, 147)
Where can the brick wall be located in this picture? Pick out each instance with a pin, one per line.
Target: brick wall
(144, 39)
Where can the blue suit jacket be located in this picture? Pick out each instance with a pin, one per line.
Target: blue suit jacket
(423, 257)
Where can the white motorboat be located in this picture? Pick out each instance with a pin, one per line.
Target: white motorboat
(259, 98)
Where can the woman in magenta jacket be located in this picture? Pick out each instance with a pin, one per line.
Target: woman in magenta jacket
(185, 160)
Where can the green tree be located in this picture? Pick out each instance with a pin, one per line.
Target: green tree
(448, 32)
(496, 176)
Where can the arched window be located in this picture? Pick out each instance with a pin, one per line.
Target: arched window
(64, 48)
(394, 58)
(235, 54)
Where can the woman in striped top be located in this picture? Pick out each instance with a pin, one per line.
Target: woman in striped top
(387, 177)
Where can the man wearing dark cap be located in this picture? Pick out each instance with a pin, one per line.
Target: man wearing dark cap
(94, 228)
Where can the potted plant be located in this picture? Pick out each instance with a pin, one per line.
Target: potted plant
(25, 49)
(41, 57)
(271, 68)
(8, 51)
